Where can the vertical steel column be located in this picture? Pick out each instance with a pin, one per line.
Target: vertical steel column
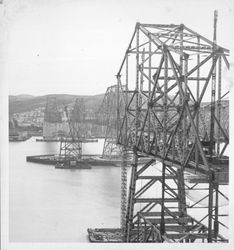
(212, 141)
(219, 104)
(162, 225)
(180, 171)
(126, 98)
(197, 108)
(135, 159)
(186, 97)
(216, 209)
(149, 90)
(140, 103)
(141, 77)
(216, 212)
(180, 96)
(125, 157)
(181, 56)
(184, 70)
(123, 172)
(210, 205)
(213, 90)
(124, 188)
(181, 127)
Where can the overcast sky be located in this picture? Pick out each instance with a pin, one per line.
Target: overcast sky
(76, 46)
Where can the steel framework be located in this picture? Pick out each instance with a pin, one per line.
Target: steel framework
(71, 145)
(177, 196)
(107, 117)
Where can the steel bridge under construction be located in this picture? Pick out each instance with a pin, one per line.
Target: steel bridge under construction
(167, 74)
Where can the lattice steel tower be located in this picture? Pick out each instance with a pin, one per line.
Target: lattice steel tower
(172, 72)
(71, 145)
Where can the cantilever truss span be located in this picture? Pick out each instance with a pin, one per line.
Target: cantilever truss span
(167, 74)
(106, 115)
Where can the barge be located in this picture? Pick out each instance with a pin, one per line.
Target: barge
(18, 139)
(105, 235)
(58, 140)
(93, 160)
(76, 165)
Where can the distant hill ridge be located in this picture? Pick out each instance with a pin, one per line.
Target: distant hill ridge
(25, 103)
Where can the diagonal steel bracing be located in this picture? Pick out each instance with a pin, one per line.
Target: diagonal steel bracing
(164, 118)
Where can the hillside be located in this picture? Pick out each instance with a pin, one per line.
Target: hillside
(24, 103)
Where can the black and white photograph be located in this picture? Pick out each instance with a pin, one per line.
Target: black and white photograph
(114, 124)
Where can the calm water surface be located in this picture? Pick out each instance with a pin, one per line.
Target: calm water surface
(56, 205)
